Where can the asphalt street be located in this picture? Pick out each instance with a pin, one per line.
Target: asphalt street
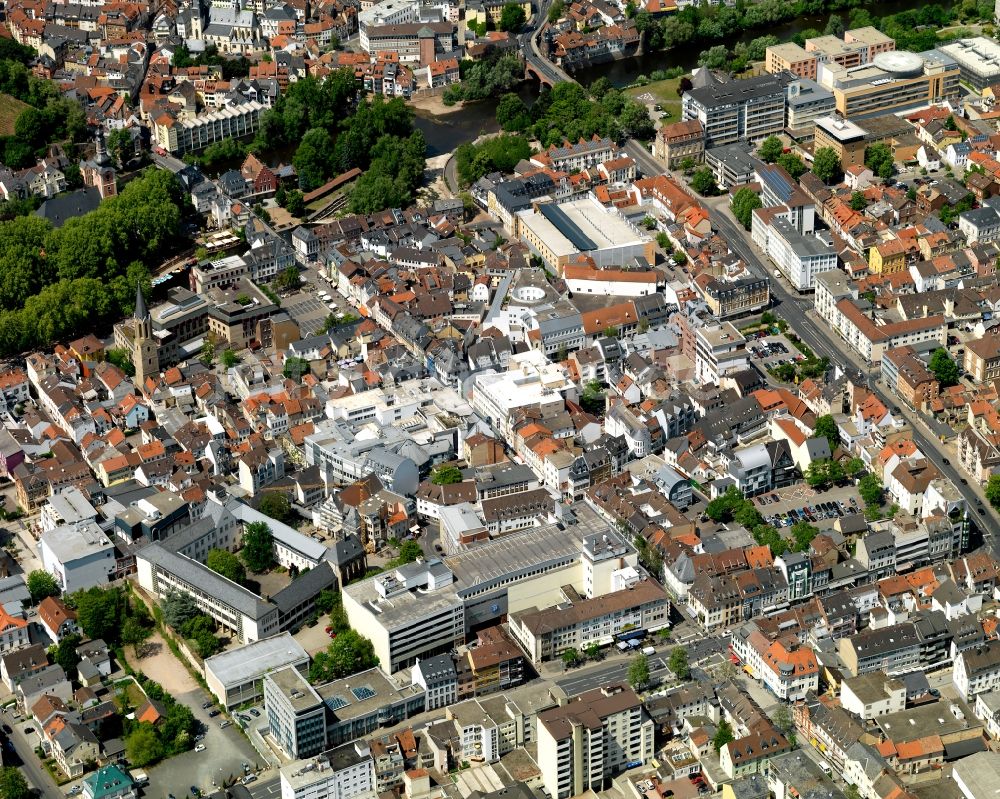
(793, 309)
(32, 768)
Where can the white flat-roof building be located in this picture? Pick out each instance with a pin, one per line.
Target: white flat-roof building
(978, 60)
(556, 232)
(67, 507)
(78, 555)
(237, 676)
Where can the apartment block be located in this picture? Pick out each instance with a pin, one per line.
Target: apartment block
(596, 735)
(790, 57)
(751, 108)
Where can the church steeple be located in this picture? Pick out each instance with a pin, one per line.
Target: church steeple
(140, 303)
(145, 356)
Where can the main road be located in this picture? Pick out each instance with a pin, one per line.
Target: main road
(794, 310)
(32, 768)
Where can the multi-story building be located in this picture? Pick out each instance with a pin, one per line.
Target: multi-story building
(679, 141)
(591, 738)
(978, 60)
(346, 772)
(236, 677)
(414, 42)
(982, 358)
(799, 257)
(787, 667)
(737, 297)
(752, 108)
(544, 634)
(909, 377)
(806, 103)
(977, 670)
(79, 555)
(181, 135)
(870, 695)
(719, 350)
(892, 83)
(844, 137)
(296, 715)
(790, 57)
(893, 650)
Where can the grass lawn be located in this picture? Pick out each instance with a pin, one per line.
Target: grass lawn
(135, 695)
(665, 92)
(10, 108)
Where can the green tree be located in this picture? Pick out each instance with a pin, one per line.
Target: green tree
(289, 279)
(678, 663)
(858, 201)
(723, 735)
(276, 505)
(703, 182)
(120, 145)
(878, 158)
(295, 367)
(229, 358)
(446, 474)
(258, 547)
(802, 535)
(512, 17)
(135, 634)
(993, 490)
(944, 368)
(827, 427)
(295, 203)
(782, 719)
(64, 654)
(142, 745)
(592, 650)
(178, 609)
(556, 11)
(792, 164)
(854, 467)
(745, 202)
(512, 114)
(227, 564)
(592, 398)
(99, 612)
(13, 785)
(570, 657)
(826, 165)
(347, 655)
(870, 489)
(313, 159)
(41, 584)
(638, 671)
(770, 149)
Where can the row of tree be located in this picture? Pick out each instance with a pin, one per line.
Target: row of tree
(58, 282)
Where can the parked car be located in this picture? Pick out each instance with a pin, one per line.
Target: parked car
(200, 748)
(254, 712)
(213, 713)
(206, 705)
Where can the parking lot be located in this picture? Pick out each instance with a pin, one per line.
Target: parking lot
(786, 506)
(770, 351)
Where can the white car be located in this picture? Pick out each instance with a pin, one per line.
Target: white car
(200, 748)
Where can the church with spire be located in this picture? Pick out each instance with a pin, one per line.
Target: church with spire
(145, 356)
(98, 172)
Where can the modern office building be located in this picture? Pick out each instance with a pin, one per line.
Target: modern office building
(978, 60)
(596, 735)
(752, 108)
(303, 720)
(893, 82)
(806, 102)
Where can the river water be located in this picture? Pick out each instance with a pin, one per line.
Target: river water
(445, 132)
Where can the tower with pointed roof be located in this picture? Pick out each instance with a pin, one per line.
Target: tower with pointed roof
(145, 357)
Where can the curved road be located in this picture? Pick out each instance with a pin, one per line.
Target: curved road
(793, 309)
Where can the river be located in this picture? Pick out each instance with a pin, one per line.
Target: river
(445, 132)
(625, 71)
